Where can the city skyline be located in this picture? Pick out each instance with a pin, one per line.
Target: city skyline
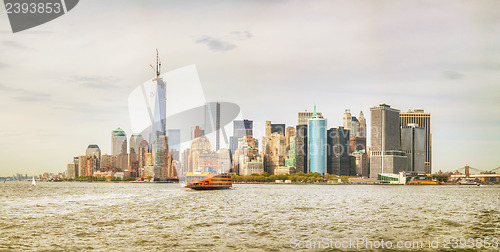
(439, 58)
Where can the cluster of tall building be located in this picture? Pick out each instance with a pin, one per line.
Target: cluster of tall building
(398, 142)
(133, 158)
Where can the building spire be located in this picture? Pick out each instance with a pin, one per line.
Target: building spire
(314, 113)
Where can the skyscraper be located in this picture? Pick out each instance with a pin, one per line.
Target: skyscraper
(143, 151)
(362, 126)
(93, 155)
(385, 148)
(357, 128)
(278, 128)
(197, 132)
(199, 147)
(301, 161)
(290, 132)
(119, 147)
(347, 120)
(224, 160)
(423, 120)
(268, 129)
(174, 139)
(303, 117)
(158, 135)
(247, 150)
(316, 143)
(93, 150)
(291, 160)
(413, 144)
(362, 163)
(133, 157)
(241, 129)
(274, 151)
(338, 152)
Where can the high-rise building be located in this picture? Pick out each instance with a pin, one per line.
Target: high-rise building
(362, 126)
(199, 146)
(119, 148)
(161, 156)
(347, 120)
(423, 120)
(362, 163)
(290, 162)
(290, 132)
(303, 117)
(143, 150)
(278, 128)
(72, 170)
(158, 98)
(224, 159)
(92, 165)
(108, 162)
(268, 129)
(174, 139)
(316, 143)
(357, 144)
(93, 150)
(133, 156)
(413, 144)
(197, 132)
(77, 170)
(357, 128)
(274, 151)
(241, 129)
(301, 161)
(338, 152)
(82, 165)
(385, 148)
(212, 121)
(248, 150)
(185, 161)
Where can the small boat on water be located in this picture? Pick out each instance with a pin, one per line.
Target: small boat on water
(208, 181)
(33, 182)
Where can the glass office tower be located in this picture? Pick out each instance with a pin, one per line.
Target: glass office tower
(316, 143)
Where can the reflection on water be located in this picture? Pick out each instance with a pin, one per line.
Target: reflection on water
(130, 216)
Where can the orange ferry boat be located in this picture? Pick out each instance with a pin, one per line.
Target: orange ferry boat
(208, 181)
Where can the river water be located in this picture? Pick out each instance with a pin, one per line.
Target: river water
(148, 216)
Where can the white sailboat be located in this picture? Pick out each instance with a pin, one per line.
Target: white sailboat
(33, 183)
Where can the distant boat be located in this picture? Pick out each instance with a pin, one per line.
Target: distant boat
(33, 183)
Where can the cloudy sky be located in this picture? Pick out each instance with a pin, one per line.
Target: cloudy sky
(64, 84)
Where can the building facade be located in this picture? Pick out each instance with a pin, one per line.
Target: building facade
(303, 117)
(316, 143)
(338, 160)
(119, 147)
(385, 148)
(241, 129)
(301, 164)
(422, 119)
(413, 144)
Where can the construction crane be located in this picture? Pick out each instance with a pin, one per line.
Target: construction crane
(158, 65)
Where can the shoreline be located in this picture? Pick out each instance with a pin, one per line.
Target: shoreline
(260, 183)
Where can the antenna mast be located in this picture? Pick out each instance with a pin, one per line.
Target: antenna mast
(158, 65)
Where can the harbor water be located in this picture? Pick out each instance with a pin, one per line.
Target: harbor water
(148, 216)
